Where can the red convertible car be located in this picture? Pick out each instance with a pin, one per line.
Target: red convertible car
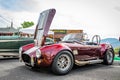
(73, 49)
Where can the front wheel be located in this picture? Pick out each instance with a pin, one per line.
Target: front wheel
(62, 63)
(108, 57)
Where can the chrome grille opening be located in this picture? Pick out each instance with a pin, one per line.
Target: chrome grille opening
(26, 58)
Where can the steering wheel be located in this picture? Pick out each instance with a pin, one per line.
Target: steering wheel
(96, 38)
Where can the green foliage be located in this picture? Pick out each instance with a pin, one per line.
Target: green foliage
(116, 50)
(27, 24)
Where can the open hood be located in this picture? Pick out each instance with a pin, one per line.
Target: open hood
(43, 26)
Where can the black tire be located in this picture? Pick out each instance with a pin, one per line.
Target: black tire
(62, 63)
(108, 57)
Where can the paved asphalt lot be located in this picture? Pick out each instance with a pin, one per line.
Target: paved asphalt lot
(12, 69)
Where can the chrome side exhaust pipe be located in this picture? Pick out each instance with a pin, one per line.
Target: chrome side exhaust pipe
(81, 63)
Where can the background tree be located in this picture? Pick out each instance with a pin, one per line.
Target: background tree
(27, 24)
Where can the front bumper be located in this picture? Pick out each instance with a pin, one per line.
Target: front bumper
(31, 61)
(30, 56)
(34, 61)
(26, 58)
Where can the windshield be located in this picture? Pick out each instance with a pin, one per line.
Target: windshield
(73, 37)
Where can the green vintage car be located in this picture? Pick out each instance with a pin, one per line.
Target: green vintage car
(13, 43)
(9, 45)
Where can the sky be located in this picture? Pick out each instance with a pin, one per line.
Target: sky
(100, 17)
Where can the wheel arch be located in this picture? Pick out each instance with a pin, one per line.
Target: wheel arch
(57, 48)
(106, 47)
(50, 52)
(55, 70)
(62, 51)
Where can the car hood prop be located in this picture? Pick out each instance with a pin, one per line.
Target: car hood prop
(42, 29)
(43, 26)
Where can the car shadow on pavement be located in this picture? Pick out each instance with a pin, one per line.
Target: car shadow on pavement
(21, 72)
(90, 67)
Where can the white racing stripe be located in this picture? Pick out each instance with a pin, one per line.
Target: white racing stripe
(31, 50)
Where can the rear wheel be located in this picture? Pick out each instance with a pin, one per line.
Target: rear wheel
(63, 63)
(108, 57)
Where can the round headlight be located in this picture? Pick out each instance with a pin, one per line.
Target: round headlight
(38, 53)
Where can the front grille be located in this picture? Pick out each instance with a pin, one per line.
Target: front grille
(26, 58)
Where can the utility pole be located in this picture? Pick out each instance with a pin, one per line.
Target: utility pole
(11, 24)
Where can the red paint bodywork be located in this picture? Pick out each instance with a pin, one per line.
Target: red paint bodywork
(85, 52)
(80, 52)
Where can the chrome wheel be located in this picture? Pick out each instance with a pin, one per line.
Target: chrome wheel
(63, 62)
(109, 56)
